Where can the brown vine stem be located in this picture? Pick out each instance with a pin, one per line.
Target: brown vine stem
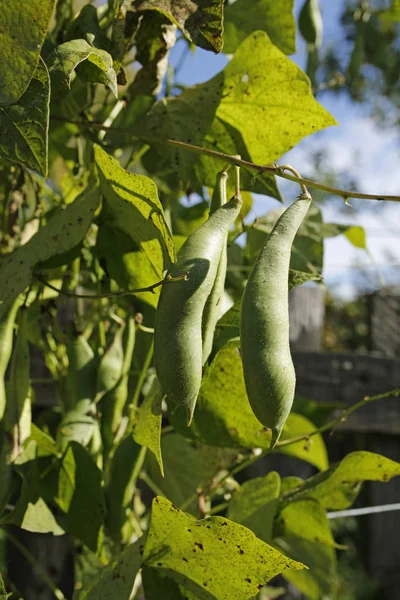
(235, 160)
(120, 293)
(336, 422)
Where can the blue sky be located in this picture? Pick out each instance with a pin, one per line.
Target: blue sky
(372, 154)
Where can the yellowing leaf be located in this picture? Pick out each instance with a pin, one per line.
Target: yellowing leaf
(268, 98)
(215, 555)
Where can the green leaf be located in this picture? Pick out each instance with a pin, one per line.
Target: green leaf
(268, 99)
(66, 228)
(116, 580)
(32, 511)
(338, 487)
(24, 125)
(354, 233)
(312, 451)
(23, 28)
(186, 118)
(120, 486)
(81, 496)
(219, 557)
(147, 429)
(310, 23)
(132, 205)
(275, 18)
(316, 412)
(305, 519)
(201, 22)
(46, 446)
(125, 262)
(187, 467)
(86, 26)
(255, 503)
(63, 61)
(319, 581)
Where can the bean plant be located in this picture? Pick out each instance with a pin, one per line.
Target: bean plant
(127, 242)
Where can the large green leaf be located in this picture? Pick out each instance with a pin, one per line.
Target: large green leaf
(117, 578)
(86, 26)
(23, 27)
(392, 13)
(215, 555)
(64, 230)
(63, 61)
(224, 418)
(268, 99)
(275, 18)
(338, 487)
(200, 21)
(24, 125)
(81, 496)
(132, 205)
(254, 505)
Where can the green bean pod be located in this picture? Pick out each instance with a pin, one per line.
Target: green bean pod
(6, 342)
(178, 323)
(264, 331)
(213, 304)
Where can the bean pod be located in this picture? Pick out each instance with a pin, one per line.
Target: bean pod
(178, 323)
(267, 363)
(212, 308)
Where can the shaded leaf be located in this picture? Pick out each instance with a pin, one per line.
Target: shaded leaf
(63, 61)
(158, 584)
(86, 26)
(63, 231)
(24, 125)
(111, 365)
(120, 486)
(117, 578)
(255, 503)
(275, 18)
(218, 556)
(23, 28)
(200, 21)
(224, 418)
(81, 496)
(187, 467)
(318, 582)
(338, 487)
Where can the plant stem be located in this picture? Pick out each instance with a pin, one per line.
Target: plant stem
(138, 465)
(139, 385)
(36, 565)
(149, 288)
(234, 160)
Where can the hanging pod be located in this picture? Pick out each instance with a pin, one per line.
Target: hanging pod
(178, 343)
(264, 330)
